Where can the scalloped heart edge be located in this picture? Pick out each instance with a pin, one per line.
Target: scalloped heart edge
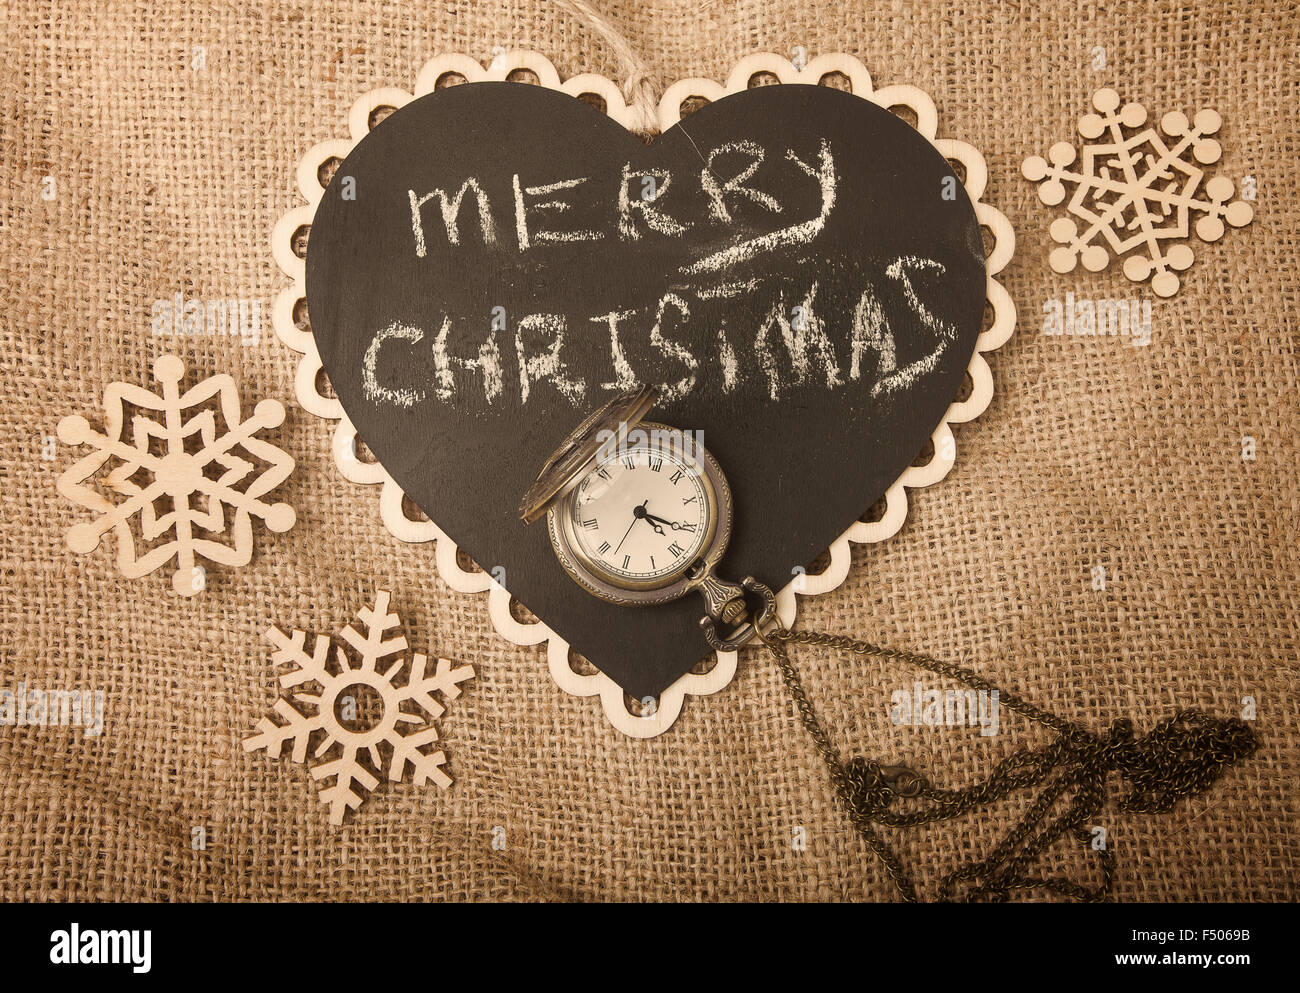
(613, 699)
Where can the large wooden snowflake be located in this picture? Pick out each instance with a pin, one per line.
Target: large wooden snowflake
(179, 472)
(1135, 193)
(359, 743)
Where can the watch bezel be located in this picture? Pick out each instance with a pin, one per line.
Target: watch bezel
(614, 589)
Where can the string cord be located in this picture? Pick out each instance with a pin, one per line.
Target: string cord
(639, 90)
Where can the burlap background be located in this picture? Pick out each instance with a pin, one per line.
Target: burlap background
(1092, 453)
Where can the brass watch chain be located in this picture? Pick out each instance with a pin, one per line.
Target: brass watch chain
(1181, 756)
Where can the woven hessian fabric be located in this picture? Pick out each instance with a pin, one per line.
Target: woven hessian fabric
(1093, 453)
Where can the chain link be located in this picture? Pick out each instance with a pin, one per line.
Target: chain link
(1180, 757)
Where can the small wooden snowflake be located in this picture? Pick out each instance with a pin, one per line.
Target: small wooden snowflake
(179, 473)
(1134, 192)
(363, 721)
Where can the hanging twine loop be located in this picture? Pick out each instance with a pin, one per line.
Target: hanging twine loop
(639, 91)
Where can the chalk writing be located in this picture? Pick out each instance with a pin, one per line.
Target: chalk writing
(779, 353)
(644, 210)
(450, 213)
(796, 234)
(718, 192)
(794, 341)
(375, 391)
(557, 205)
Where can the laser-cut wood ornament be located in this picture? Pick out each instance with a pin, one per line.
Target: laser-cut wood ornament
(198, 501)
(380, 739)
(1135, 194)
(291, 325)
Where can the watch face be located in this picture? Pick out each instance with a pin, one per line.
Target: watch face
(644, 515)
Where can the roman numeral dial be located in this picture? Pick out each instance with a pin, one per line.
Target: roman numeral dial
(642, 515)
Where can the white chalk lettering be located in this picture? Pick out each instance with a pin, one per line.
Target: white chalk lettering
(792, 346)
(673, 349)
(450, 213)
(795, 234)
(725, 290)
(655, 218)
(944, 333)
(640, 206)
(798, 342)
(374, 391)
(717, 192)
(763, 348)
(546, 365)
(557, 205)
(727, 360)
(870, 333)
(488, 364)
(806, 341)
(624, 378)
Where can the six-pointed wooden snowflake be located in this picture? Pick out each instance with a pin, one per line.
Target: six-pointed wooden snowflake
(184, 462)
(363, 743)
(1136, 192)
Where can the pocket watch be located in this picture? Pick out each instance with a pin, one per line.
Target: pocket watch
(639, 513)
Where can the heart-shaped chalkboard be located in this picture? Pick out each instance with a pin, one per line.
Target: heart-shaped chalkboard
(798, 271)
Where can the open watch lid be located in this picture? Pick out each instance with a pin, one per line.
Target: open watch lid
(571, 461)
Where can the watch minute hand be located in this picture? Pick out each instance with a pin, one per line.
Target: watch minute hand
(672, 524)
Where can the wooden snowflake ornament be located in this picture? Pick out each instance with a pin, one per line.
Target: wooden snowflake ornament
(181, 456)
(1135, 192)
(359, 743)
